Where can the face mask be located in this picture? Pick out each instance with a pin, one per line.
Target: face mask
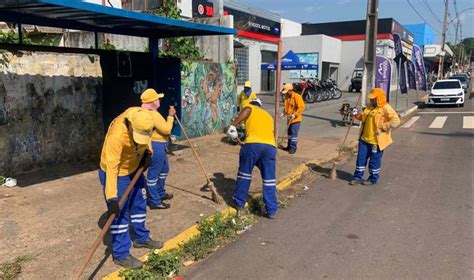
(373, 102)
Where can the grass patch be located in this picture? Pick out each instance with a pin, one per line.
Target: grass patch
(11, 270)
(213, 232)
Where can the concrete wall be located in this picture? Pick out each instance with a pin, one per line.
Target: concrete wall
(115, 3)
(352, 56)
(290, 28)
(186, 7)
(329, 50)
(50, 110)
(217, 48)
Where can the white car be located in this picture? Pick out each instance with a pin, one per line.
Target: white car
(447, 92)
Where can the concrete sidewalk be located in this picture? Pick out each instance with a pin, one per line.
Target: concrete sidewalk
(57, 221)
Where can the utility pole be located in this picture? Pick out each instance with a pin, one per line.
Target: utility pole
(370, 48)
(445, 28)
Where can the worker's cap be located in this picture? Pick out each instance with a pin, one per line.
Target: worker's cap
(150, 95)
(287, 88)
(376, 92)
(248, 84)
(142, 126)
(256, 102)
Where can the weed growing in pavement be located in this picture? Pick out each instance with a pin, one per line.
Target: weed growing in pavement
(213, 232)
(11, 270)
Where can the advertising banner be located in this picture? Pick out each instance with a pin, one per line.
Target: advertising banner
(400, 59)
(420, 68)
(383, 74)
(411, 74)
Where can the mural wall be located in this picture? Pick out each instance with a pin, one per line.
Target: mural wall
(208, 97)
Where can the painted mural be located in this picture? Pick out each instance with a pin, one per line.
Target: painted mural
(208, 96)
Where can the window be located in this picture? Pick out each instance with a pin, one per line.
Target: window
(141, 5)
(241, 57)
(447, 85)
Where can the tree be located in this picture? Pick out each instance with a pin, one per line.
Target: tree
(181, 47)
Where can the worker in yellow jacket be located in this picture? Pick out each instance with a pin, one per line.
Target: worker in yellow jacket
(245, 96)
(126, 147)
(259, 150)
(377, 121)
(294, 107)
(159, 169)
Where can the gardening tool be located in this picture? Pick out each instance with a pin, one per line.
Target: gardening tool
(280, 139)
(108, 224)
(215, 196)
(333, 174)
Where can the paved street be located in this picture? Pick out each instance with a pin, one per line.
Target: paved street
(417, 223)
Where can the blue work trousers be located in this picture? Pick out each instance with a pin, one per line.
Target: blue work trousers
(293, 130)
(157, 174)
(373, 155)
(262, 156)
(132, 211)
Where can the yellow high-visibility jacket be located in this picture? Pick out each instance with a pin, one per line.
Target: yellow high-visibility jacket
(120, 156)
(162, 127)
(294, 105)
(385, 120)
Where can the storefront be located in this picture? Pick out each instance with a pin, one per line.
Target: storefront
(352, 36)
(258, 33)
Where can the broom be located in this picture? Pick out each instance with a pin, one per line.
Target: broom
(215, 196)
(332, 173)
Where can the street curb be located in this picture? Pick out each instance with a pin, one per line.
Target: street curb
(192, 231)
(409, 111)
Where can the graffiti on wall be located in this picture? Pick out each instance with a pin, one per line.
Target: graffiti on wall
(208, 96)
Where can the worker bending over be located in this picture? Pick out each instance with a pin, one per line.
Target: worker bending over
(259, 150)
(126, 147)
(159, 169)
(294, 107)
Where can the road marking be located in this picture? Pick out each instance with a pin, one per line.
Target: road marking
(460, 113)
(409, 123)
(468, 122)
(438, 122)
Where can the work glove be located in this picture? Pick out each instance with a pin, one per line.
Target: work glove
(354, 111)
(171, 111)
(292, 117)
(232, 132)
(113, 208)
(282, 115)
(146, 160)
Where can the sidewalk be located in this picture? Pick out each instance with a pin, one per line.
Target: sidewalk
(57, 221)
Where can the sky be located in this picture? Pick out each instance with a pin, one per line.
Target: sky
(316, 11)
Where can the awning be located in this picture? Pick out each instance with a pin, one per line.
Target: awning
(79, 15)
(290, 61)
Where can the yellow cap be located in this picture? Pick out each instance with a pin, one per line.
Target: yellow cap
(142, 126)
(287, 88)
(150, 95)
(248, 84)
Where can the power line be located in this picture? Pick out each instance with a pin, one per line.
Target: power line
(416, 11)
(427, 7)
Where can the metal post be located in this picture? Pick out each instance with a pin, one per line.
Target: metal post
(20, 34)
(96, 40)
(218, 8)
(398, 83)
(370, 48)
(278, 91)
(445, 27)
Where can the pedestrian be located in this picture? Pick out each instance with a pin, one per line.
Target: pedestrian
(245, 96)
(159, 169)
(377, 121)
(294, 107)
(259, 150)
(127, 146)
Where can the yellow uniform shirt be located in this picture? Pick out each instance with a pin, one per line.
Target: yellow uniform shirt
(294, 105)
(162, 127)
(368, 134)
(120, 154)
(259, 127)
(243, 100)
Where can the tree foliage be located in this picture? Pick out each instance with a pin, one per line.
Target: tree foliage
(181, 47)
